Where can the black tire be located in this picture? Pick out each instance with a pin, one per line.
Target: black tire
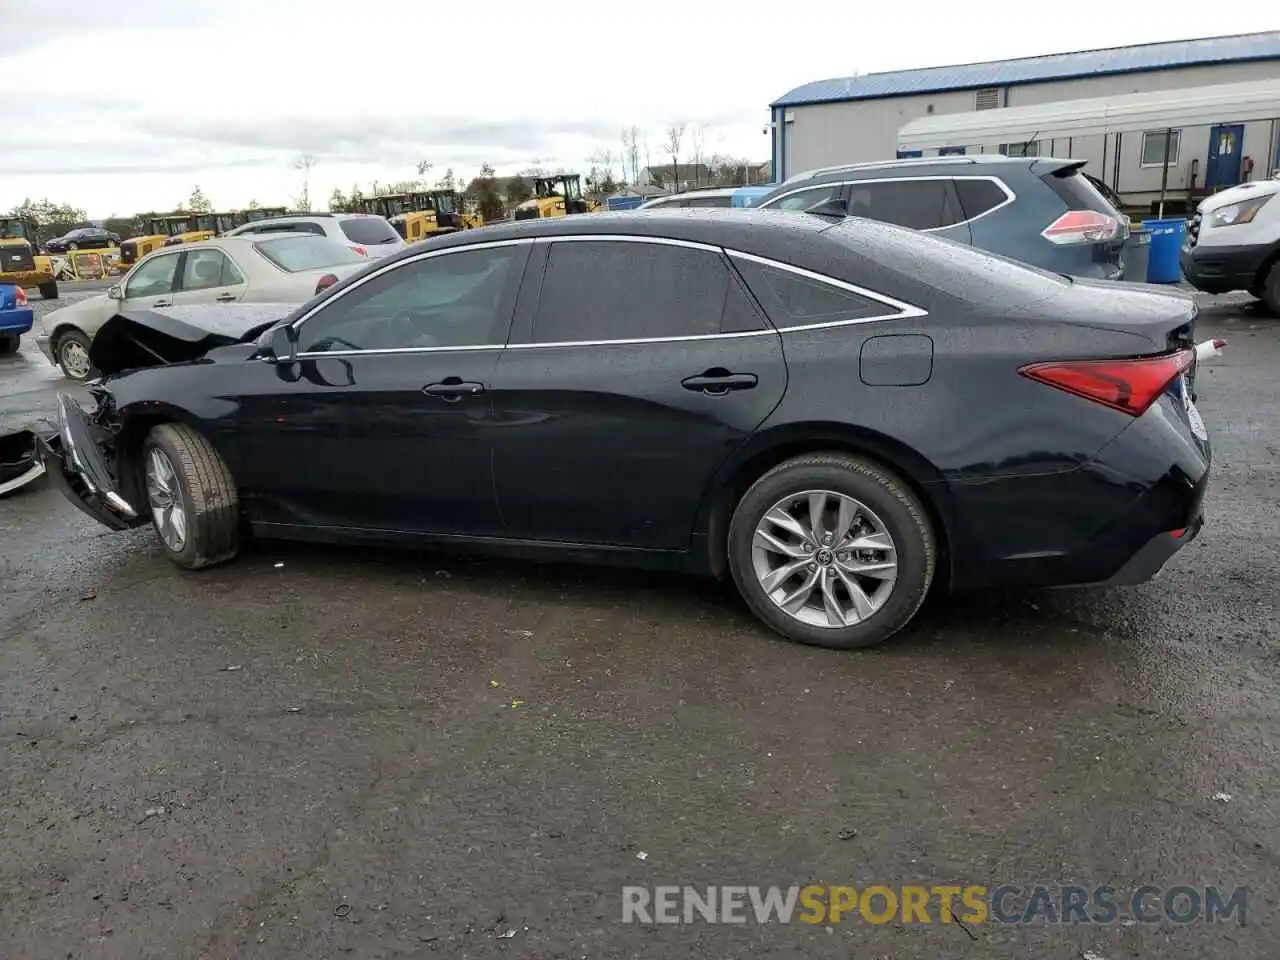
(49, 291)
(208, 494)
(65, 340)
(8, 343)
(1269, 293)
(882, 492)
(73, 246)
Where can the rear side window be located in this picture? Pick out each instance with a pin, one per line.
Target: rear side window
(804, 199)
(794, 300)
(1075, 190)
(708, 201)
(368, 231)
(979, 196)
(625, 290)
(918, 204)
(296, 253)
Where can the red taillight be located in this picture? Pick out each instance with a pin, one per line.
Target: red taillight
(361, 250)
(328, 280)
(1130, 386)
(21, 297)
(1082, 226)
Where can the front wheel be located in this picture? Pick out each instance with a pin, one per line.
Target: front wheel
(1269, 289)
(49, 290)
(72, 351)
(194, 506)
(832, 550)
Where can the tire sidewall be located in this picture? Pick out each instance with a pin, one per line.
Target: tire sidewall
(913, 549)
(62, 342)
(1271, 289)
(186, 556)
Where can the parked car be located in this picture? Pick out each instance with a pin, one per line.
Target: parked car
(367, 234)
(1233, 242)
(277, 268)
(1041, 211)
(692, 198)
(84, 238)
(15, 317)
(834, 415)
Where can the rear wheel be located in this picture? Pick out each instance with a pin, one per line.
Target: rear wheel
(193, 501)
(1269, 290)
(832, 550)
(49, 290)
(8, 343)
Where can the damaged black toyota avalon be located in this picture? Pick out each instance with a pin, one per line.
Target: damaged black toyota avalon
(836, 415)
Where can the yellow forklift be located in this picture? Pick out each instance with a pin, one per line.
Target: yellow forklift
(21, 263)
(556, 196)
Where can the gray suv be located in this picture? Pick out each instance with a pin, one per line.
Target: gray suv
(1039, 210)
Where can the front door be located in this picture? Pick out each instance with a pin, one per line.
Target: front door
(385, 422)
(151, 284)
(1226, 151)
(635, 368)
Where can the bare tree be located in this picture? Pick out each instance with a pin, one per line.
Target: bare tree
(675, 134)
(698, 139)
(304, 164)
(603, 158)
(631, 153)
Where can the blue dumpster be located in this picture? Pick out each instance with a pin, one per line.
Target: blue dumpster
(1163, 264)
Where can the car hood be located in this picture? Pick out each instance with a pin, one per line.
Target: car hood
(1244, 191)
(132, 339)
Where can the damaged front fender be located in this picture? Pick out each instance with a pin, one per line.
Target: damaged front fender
(80, 468)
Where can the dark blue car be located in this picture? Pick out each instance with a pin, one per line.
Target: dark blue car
(15, 317)
(1042, 211)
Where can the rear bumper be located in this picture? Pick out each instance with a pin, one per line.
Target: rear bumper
(1216, 269)
(17, 321)
(79, 469)
(1147, 563)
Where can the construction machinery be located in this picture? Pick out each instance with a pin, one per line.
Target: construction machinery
(416, 216)
(261, 213)
(20, 261)
(162, 228)
(555, 196)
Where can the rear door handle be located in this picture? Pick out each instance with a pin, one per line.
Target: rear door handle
(453, 389)
(163, 303)
(719, 382)
(225, 297)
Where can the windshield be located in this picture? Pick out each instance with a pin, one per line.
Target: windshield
(395, 205)
(11, 230)
(206, 221)
(444, 203)
(294, 254)
(368, 231)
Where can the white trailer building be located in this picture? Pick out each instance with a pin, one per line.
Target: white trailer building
(859, 119)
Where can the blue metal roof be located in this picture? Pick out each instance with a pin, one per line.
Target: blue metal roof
(1056, 66)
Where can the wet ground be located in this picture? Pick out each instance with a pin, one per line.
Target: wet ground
(317, 753)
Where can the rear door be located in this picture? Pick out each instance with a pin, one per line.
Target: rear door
(209, 276)
(636, 366)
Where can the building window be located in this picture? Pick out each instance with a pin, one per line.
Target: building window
(988, 99)
(1029, 149)
(1153, 148)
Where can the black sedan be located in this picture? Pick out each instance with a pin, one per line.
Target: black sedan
(84, 238)
(837, 416)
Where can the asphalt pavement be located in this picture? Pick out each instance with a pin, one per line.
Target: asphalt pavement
(315, 752)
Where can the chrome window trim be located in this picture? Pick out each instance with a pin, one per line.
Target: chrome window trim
(1009, 195)
(902, 310)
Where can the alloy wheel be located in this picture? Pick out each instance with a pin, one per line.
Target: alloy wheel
(165, 500)
(824, 558)
(75, 358)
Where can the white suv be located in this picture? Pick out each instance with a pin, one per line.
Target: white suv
(365, 233)
(1233, 242)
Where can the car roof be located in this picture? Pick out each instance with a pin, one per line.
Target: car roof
(910, 164)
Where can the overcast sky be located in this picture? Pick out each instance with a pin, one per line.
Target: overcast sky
(133, 103)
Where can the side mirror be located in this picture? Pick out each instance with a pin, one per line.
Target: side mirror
(283, 345)
(836, 207)
(115, 292)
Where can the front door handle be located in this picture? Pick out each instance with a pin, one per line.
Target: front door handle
(719, 382)
(453, 389)
(225, 297)
(163, 303)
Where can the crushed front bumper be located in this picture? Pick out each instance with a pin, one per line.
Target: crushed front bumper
(78, 467)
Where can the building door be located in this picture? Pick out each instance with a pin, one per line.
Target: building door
(1226, 150)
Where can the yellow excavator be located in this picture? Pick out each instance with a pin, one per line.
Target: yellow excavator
(21, 263)
(556, 196)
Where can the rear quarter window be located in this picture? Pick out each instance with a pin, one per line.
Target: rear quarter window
(369, 231)
(979, 196)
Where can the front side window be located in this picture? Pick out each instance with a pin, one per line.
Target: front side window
(206, 269)
(599, 290)
(458, 299)
(918, 204)
(805, 199)
(154, 277)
